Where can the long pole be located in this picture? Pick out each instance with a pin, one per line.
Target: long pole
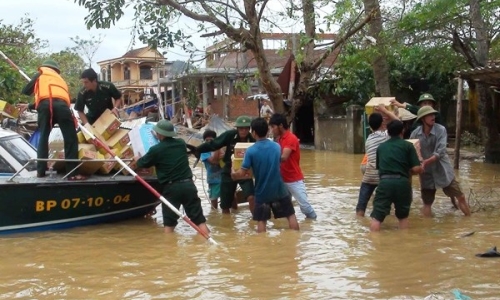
(14, 66)
(126, 167)
(458, 132)
(146, 185)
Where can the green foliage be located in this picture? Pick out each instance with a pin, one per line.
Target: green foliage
(71, 65)
(21, 45)
(192, 95)
(151, 21)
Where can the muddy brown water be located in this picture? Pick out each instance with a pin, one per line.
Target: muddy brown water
(334, 257)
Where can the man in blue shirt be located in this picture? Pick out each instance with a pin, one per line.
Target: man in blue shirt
(212, 165)
(271, 194)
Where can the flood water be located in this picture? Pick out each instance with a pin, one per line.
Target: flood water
(333, 257)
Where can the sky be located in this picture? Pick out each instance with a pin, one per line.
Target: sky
(58, 20)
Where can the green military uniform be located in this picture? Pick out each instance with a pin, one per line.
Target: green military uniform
(229, 139)
(170, 159)
(395, 158)
(97, 102)
(53, 112)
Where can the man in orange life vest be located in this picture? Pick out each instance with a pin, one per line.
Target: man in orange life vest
(52, 102)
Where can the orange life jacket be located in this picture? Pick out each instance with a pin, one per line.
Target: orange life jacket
(49, 86)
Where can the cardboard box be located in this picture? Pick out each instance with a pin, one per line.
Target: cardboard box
(89, 168)
(90, 147)
(237, 162)
(376, 101)
(87, 137)
(416, 144)
(124, 153)
(119, 139)
(8, 110)
(108, 166)
(240, 149)
(58, 165)
(142, 138)
(81, 137)
(107, 124)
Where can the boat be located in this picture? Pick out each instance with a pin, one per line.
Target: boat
(28, 203)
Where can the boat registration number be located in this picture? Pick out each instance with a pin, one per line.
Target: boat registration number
(73, 203)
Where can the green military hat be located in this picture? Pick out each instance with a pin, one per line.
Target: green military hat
(424, 111)
(426, 97)
(243, 121)
(165, 128)
(51, 64)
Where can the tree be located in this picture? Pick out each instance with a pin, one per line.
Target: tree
(71, 65)
(21, 45)
(242, 21)
(469, 27)
(379, 61)
(87, 48)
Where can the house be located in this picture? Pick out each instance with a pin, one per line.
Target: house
(133, 72)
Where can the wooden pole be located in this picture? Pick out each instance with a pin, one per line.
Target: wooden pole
(458, 132)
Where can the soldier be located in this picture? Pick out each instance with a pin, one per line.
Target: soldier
(97, 96)
(52, 102)
(170, 159)
(396, 161)
(228, 140)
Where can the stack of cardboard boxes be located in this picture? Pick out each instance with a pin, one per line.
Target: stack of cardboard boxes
(107, 130)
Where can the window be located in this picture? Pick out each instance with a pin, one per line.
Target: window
(104, 72)
(5, 167)
(126, 73)
(20, 150)
(146, 72)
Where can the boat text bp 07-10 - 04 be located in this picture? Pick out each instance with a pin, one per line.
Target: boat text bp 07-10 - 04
(28, 203)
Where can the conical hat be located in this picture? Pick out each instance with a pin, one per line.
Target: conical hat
(405, 115)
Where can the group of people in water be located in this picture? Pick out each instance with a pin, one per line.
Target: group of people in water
(391, 162)
(270, 173)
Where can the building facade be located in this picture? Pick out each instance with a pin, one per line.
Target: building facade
(133, 72)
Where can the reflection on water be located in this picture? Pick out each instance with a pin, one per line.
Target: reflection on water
(334, 257)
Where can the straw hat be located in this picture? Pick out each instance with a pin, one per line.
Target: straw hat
(165, 128)
(405, 115)
(424, 111)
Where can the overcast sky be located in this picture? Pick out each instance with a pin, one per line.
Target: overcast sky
(58, 20)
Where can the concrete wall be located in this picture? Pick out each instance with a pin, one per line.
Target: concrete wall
(340, 133)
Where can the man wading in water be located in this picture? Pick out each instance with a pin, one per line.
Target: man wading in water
(438, 171)
(396, 161)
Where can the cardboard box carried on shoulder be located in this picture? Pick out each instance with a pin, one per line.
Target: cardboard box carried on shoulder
(142, 138)
(240, 149)
(8, 110)
(237, 162)
(107, 124)
(376, 101)
(416, 144)
(89, 168)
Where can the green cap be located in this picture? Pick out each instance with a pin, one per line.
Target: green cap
(51, 64)
(165, 128)
(424, 111)
(243, 121)
(425, 97)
